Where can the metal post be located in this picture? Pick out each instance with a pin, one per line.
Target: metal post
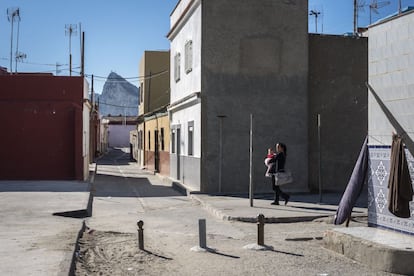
(260, 229)
(82, 53)
(251, 190)
(319, 159)
(17, 46)
(140, 235)
(202, 233)
(220, 152)
(355, 16)
(11, 45)
(92, 91)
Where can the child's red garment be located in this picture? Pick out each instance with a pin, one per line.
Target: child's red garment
(269, 166)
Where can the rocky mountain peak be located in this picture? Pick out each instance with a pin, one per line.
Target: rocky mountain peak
(119, 97)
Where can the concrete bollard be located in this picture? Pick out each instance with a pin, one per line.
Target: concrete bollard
(202, 233)
(140, 235)
(260, 229)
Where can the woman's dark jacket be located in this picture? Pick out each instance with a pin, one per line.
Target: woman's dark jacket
(279, 159)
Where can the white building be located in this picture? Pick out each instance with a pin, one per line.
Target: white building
(185, 83)
(230, 59)
(391, 71)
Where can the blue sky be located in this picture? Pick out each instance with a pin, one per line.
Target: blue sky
(118, 32)
(337, 15)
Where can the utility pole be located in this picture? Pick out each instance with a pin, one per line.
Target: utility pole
(92, 93)
(251, 188)
(80, 42)
(316, 14)
(83, 55)
(12, 15)
(70, 29)
(355, 17)
(17, 55)
(319, 158)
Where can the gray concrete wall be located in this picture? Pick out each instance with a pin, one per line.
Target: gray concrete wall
(173, 166)
(338, 70)
(391, 71)
(254, 60)
(189, 171)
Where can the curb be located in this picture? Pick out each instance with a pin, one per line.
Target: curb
(89, 206)
(179, 187)
(374, 255)
(72, 268)
(211, 209)
(221, 215)
(88, 210)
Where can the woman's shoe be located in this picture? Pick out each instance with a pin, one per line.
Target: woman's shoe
(274, 203)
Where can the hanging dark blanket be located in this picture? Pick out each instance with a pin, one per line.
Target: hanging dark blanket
(354, 187)
(400, 189)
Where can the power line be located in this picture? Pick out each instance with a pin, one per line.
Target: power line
(97, 77)
(45, 64)
(36, 63)
(52, 70)
(157, 74)
(124, 106)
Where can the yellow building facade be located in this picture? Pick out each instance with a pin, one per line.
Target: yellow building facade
(151, 141)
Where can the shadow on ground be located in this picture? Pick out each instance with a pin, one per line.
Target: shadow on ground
(44, 186)
(327, 198)
(115, 156)
(117, 186)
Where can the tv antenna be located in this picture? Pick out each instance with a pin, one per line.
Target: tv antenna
(70, 29)
(373, 7)
(13, 14)
(19, 56)
(315, 13)
(57, 68)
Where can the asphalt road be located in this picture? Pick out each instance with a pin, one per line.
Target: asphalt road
(124, 194)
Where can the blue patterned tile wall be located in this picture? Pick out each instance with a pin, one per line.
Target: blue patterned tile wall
(378, 214)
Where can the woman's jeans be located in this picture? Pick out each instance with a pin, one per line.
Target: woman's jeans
(278, 191)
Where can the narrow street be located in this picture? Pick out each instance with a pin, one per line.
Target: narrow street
(124, 194)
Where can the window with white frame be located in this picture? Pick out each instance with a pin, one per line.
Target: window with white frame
(188, 56)
(177, 60)
(190, 138)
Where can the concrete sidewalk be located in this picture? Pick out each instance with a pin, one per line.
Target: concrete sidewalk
(301, 207)
(385, 250)
(33, 240)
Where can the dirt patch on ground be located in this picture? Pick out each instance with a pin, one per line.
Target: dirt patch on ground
(112, 253)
